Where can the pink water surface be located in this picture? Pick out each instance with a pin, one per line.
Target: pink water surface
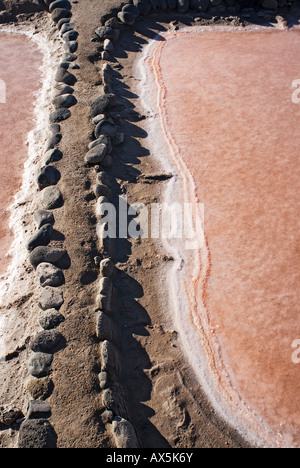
(226, 104)
(20, 60)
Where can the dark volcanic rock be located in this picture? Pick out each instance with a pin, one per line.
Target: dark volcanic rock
(144, 6)
(51, 298)
(60, 4)
(101, 190)
(46, 255)
(132, 9)
(38, 410)
(37, 433)
(126, 18)
(113, 399)
(55, 128)
(41, 237)
(63, 76)
(50, 319)
(9, 414)
(104, 303)
(40, 389)
(40, 364)
(70, 47)
(70, 35)
(63, 89)
(103, 380)
(107, 268)
(105, 32)
(102, 104)
(46, 341)
(105, 328)
(53, 155)
(60, 13)
(110, 359)
(51, 198)
(59, 115)
(68, 57)
(49, 275)
(48, 176)
(96, 154)
(64, 101)
(105, 127)
(62, 22)
(124, 434)
(42, 217)
(53, 141)
(66, 27)
(102, 139)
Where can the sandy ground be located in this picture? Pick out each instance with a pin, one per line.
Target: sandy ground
(166, 405)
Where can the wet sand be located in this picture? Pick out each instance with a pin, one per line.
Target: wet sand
(232, 128)
(20, 62)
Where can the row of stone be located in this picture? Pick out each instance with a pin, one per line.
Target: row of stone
(106, 136)
(109, 33)
(130, 12)
(36, 431)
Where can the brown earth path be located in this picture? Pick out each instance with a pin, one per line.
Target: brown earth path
(165, 402)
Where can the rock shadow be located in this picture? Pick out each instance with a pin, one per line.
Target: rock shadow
(131, 317)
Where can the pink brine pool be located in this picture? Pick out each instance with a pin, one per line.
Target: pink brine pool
(225, 104)
(20, 79)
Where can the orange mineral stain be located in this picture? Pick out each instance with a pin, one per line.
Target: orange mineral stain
(20, 79)
(226, 111)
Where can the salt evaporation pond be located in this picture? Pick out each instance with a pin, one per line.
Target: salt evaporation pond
(224, 106)
(20, 79)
